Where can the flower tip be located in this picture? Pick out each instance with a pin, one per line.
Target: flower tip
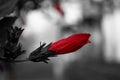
(87, 34)
(89, 41)
(84, 35)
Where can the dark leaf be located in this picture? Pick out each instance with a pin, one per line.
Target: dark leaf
(7, 6)
(12, 49)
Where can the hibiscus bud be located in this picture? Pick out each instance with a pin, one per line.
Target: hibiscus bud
(69, 44)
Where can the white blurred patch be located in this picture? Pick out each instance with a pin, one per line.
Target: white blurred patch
(73, 12)
(111, 27)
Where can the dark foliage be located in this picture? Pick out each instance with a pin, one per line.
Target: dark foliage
(12, 49)
(7, 6)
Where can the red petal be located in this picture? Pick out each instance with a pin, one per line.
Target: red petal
(70, 44)
(58, 8)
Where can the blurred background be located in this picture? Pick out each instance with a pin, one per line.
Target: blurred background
(51, 20)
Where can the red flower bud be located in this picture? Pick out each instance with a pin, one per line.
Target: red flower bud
(70, 44)
(58, 8)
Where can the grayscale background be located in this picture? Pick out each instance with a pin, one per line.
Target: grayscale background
(98, 60)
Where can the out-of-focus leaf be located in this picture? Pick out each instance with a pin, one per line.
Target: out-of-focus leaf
(7, 6)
